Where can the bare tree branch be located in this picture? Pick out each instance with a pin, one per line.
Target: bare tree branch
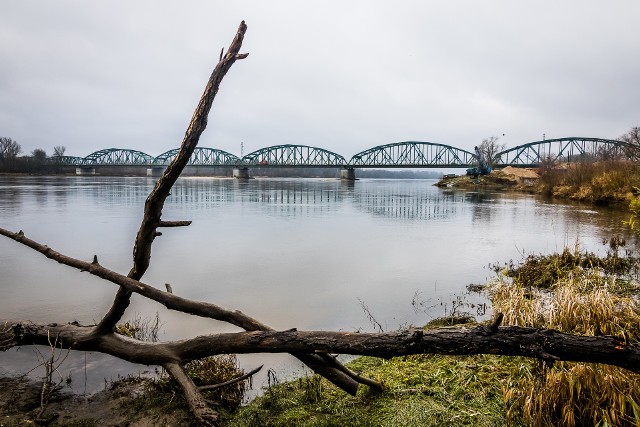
(230, 382)
(155, 201)
(536, 343)
(197, 403)
(173, 223)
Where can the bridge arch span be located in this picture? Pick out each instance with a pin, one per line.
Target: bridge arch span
(413, 154)
(289, 155)
(564, 150)
(68, 160)
(202, 156)
(118, 157)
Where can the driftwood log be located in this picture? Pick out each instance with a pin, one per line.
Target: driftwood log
(312, 347)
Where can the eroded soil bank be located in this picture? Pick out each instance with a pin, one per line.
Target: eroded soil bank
(116, 406)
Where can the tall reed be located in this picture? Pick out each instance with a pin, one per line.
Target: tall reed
(572, 394)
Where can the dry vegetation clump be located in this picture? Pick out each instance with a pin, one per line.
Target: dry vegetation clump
(602, 182)
(208, 371)
(141, 328)
(583, 301)
(615, 269)
(215, 370)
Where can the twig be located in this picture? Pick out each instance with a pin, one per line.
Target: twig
(233, 381)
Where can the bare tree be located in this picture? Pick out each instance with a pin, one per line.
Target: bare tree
(632, 143)
(58, 150)
(489, 148)
(311, 347)
(9, 150)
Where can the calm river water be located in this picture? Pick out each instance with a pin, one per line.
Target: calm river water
(293, 253)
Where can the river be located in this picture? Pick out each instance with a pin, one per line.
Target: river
(309, 253)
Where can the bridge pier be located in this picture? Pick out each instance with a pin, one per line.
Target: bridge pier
(85, 170)
(155, 171)
(348, 174)
(241, 173)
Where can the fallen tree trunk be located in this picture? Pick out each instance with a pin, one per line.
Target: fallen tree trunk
(544, 344)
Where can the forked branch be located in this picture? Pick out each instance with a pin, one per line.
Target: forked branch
(155, 201)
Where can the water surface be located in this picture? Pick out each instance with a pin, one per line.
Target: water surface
(311, 254)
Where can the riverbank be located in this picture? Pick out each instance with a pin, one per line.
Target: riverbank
(507, 179)
(115, 406)
(613, 182)
(572, 291)
(63, 208)
(586, 295)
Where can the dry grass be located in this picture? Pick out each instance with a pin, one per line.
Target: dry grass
(614, 271)
(605, 181)
(572, 394)
(141, 328)
(215, 370)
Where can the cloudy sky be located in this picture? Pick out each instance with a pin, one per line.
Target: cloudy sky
(341, 75)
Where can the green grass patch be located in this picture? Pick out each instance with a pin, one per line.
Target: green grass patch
(587, 270)
(422, 390)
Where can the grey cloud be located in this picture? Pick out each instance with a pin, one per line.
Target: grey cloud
(341, 75)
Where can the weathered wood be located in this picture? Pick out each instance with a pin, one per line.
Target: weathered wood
(543, 344)
(155, 201)
(231, 382)
(197, 403)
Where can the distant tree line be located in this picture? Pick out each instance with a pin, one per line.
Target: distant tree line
(38, 162)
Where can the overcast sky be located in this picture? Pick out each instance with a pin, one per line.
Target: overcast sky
(341, 75)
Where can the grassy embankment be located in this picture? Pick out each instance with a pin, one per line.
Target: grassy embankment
(572, 291)
(602, 182)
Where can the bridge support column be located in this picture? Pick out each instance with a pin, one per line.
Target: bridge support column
(85, 170)
(348, 174)
(241, 173)
(155, 171)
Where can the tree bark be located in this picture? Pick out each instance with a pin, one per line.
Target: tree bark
(543, 344)
(155, 201)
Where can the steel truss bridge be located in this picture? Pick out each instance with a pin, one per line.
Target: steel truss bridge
(408, 154)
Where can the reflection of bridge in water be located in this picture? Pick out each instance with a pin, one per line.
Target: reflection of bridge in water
(401, 199)
(408, 154)
(405, 200)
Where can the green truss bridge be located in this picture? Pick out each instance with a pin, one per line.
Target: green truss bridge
(408, 154)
